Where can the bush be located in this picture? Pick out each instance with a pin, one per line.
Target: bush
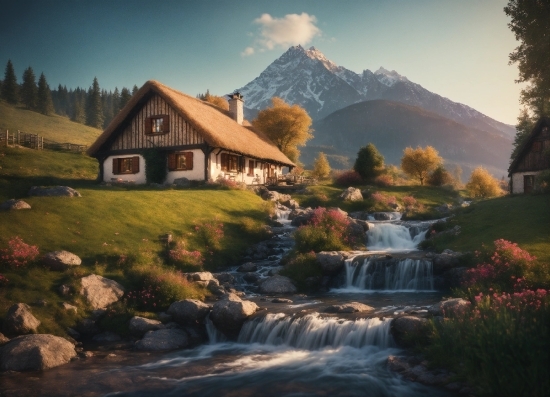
(482, 184)
(384, 180)
(439, 177)
(183, 259)
(211, 234)
(302, 267)
(383, 201)
(18, 253)
(542, 181)
(326, 231)
(348, 178)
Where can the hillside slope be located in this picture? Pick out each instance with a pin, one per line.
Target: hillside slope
(393, 126)
(54, 128)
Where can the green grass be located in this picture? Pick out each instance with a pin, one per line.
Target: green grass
(522, 219)
(54, 127)
(107, 222)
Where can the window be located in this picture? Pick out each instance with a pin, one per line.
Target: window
(250, 168)
(157, 124)
(126, 165)
(180, 161)
(230, 162)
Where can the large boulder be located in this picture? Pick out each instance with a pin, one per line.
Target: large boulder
(277, 285)
(15, 205)
(247, 267)
(35, 352)
(350, 307)
(351, 194)
(140, 325)
(446, 260)
(408, 330)
(100, 292)
(53, 191)
(20, 321)
(61, 260)
(201, 278)
(163, 339)
(331, 261)
(449, 307)
(189, 311)
(229, 314)
(3, 339)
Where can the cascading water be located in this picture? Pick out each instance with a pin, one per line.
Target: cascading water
(314, 332)
(394, 237)
(389, 275)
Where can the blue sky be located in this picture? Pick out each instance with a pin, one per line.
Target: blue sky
(458, 49)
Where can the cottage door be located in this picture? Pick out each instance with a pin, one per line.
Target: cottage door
(528, 183)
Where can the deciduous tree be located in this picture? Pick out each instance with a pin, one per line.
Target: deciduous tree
(369, 163)
(9, 85)
(418, 163)
(483, 184)
(287, 126)
(321, 167)
(218, 101)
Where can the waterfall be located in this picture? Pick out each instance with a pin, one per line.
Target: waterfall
(313, 332)
(214, 336)
(390, 274)
(390, 236)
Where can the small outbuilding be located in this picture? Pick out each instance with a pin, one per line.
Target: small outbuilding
(532, 159)
(193, 139)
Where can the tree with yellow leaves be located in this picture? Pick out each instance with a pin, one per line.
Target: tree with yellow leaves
(418, 163)
(215, 100)
(321, 167)
(287, 126)
(482, 184)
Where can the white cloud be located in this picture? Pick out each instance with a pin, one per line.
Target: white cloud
(247, 51)
(292, 29)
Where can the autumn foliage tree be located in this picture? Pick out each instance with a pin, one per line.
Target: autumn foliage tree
(321, 167)
(287, 126)
(215, 100)
(419, 163)
(483, 184)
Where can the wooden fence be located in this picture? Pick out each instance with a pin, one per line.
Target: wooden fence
(35, 141)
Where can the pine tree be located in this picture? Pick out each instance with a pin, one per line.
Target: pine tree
(369, 163)
(134, 90)
(124, 97)
(107, 100)
(9, 85)
(94, 106)
(116, 102)
(523, 129)
(29, 91)
(44, 102)
(79, 113)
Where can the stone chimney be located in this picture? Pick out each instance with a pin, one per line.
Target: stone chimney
(236, 105)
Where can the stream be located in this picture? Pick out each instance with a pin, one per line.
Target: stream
(291, 349)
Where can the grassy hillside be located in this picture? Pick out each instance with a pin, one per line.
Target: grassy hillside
(55, 128)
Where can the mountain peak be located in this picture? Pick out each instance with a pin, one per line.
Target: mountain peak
(389, 78)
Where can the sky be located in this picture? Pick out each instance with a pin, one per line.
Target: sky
(456, 48)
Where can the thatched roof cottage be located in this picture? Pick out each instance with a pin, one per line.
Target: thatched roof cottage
(533, 157)
(195, 140)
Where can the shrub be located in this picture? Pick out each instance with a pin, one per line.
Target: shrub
(3, 280)
(482, 184)
(302, 267)
(348, 178)
(182, 258)
(327, 230)
(18, 253)
(383, 200)
(384, 180)
(439, 177)
(211, 233)
(542, 181)
(500, 343)
(410, 203)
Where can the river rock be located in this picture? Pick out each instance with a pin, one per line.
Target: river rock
(140, 325)
(3, 339)
(331, 261)
(448, 307)
(20, 321)
(106, 337)
(407, 330)
(277, 285)
(15, 205)
(356, 231)
(411, 368)
(351, 194)
(445, 261)
(61, 260)
(300, 217)
(281, 300)
(53, 191)
(224, 278)
(68, 306)
(247, 267)
(251, 277)
(100, 292)
(87, 327)
(35, 352)
(189, 311)
(382, 216)
(229, 314)
(163, 339)
(292, 204)
(351, 307)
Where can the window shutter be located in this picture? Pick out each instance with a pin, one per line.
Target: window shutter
(189, 160)
(135, 164)
(166, 123)
(148, 125)
(224, 162)
(171, 161)
(116, 170)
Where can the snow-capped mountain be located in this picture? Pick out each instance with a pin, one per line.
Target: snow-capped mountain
(308, 78)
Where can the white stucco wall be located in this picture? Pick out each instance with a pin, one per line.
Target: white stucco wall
(216, 170)
(109, 176)
(196, 174)
(517, 180)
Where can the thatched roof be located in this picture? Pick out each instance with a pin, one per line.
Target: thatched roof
(543, 122)
(216, 125)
